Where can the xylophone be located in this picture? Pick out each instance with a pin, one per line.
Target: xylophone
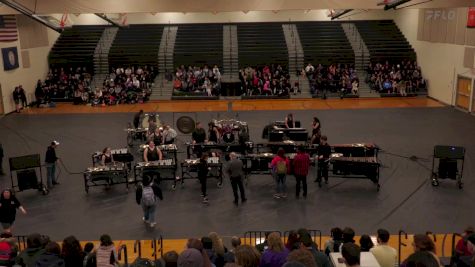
(225, 147)
(356, 167)
(116, 173)
(189, 169)
(159, 169)
(169, 151)
(119, 155)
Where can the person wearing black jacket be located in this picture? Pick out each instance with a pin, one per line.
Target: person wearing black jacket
(324, 151)
(198, 137)
(203, 169)
(50, 161)
(146, 195)
(8, 206)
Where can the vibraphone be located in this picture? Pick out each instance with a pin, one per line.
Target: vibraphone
(225, 147)
(189, 169)
(106, 175)
(135, 134)
(165, 169)
(119, 155)
(356, 167)
(256, 163)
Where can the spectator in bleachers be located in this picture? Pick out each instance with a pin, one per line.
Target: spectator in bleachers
(348, 235)
(34, 249)
(366, 243)
(169, 259)
(320, 259)
(402, 78)
(8, 249)
(276, 253)
(421, 259)
(384, 254)
(229, 256)
(106, 255)
(197, 80)
(198, 245)
(302, 256)
(191, 257)
(51, 257)
(71, 252)
(335, 78)
(218, 248)
(333, 245)
(351, 254)
(273, 80)
(293, 241)
(247, 256)
(423, 243)
(89, 255)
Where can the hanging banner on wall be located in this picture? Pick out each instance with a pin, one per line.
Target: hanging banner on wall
(10, 58)
(471, 18)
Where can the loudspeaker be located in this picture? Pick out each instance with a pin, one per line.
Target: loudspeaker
(449, 152)
(27, 179)
(448, 168)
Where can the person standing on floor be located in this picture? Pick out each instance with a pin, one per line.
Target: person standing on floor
(8, 206)
(50, 161)
(301, 164)
(17, 98)
(280, 165)
(203, 169)
(234, 170)
(146, 196)
(324, 152)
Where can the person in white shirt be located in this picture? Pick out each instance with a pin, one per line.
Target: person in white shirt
(169, 135)
(309, 68)
(384, 254)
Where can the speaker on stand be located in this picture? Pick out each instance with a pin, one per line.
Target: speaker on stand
(447, 163)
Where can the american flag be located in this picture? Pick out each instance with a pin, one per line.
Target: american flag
(8, 28)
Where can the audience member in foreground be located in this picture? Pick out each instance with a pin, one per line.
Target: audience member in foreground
(276, 254)
(351, 254)
(384, 254)
(71, 252)
(247, 256)
(366, 243)
(51, 257)
(229, 256)
(191, 257)
(8, 249)
(34, 248)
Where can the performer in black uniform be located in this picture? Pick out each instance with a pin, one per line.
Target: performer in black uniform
(198, 137)
(152, 153)
(202, 176)
(289, 121)
(213, 133)
(316, 131)
(137, 117)
(324, 151)
(106, 157)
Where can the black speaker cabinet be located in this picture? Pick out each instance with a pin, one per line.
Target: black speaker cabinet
(449, 152)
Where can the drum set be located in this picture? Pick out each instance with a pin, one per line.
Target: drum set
(232, 131)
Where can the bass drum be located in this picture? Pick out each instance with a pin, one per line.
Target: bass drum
(147, 118)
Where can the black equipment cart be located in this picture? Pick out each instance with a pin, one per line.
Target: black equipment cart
(26, 168)
(449, 161)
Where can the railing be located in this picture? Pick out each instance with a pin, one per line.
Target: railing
(254, 238)
(400, 245)
(123, 249)
(157, 246)
(314, 234)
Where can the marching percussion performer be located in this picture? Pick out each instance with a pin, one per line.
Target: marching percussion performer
(137, 118)
(213, 133)
(198, 137)
(156, 137)
(152, 153)
(106, 157)
(324, 151)
(289, 121)
(316, 131)
(169, 135)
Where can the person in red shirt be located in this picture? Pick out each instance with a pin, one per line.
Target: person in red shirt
(280, 166)
(461, 249)
(301, 164)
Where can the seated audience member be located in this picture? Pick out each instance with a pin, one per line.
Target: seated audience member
(293, 241)
(384, 254)
(348, 235)
(333, 245)
(197, 80)
(247, 256)
(424, 243)
(89, 255)
(218, 248)
(402, 78)
(34, 249)
(351, 254)
(293, 264)
(208, 249)
(8, 249)
(461, 249)
(366, 243)
(106, 254)
(169, 259)
(71, 252)
(321, 260)
(263, 245)
(51, 257)
(276, 253)
(229, 256)
(302, 256)
(198, 245)
(190, 257)
(421, 259)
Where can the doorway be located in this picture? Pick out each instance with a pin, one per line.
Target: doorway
(464, 89)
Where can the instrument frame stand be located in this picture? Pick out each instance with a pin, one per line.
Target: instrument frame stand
(106, 175)
(449, 156)
(160, 169)
(187, 170)
(34, 163)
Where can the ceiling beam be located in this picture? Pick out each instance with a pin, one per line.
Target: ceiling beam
(30, 14)
(104, 17)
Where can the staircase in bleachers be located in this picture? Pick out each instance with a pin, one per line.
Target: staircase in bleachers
(230, 67)
(199, 44)
(101, 56)
(384, 40)
(75, 46)
(261, 44)
(325, 43)
(136, 45)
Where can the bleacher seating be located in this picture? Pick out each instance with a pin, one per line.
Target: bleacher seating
(136, 45)
(75, 46)
(325, 43)
(199, 44)
(384, 40)
(261, 44)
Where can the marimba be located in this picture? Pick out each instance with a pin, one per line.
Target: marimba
(115, 173)
(189, 169)
(158, 170)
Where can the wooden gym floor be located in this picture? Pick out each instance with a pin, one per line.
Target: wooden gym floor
(244, 105)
